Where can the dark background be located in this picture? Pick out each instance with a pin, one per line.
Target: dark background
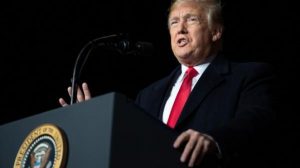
(41, 40)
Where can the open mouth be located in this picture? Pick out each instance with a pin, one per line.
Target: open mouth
(181, 42)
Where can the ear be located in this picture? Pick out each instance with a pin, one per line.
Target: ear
(217, 33)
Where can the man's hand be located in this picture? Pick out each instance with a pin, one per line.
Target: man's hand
(82, 94)
(197, 146)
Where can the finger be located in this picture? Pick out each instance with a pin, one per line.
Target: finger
(70, 91)
(86, 91)
(62, 102)
(180, 139)
(198, 152)
(189, 147)
(207, 147)
(80, 95)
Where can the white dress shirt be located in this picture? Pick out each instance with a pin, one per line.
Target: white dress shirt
(167, 109)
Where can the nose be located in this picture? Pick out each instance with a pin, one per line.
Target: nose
(182, 29)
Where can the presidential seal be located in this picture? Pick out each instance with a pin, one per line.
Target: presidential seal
(44, 147)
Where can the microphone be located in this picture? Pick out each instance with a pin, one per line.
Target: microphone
(116, 42)
(127, 47)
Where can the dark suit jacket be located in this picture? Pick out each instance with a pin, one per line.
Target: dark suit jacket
(232, 102)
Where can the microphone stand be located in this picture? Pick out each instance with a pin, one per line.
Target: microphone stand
(81, 60)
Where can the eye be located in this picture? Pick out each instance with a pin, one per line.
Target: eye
(173, 22)
(193, 19)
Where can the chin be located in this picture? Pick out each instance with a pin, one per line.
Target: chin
(183, 55)
(185, 60)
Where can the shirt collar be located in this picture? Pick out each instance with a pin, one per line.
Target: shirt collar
(199, 68)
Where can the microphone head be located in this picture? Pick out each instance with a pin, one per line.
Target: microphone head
(124, 45)
(144, 48)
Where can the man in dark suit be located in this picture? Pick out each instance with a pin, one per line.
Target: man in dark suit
(227, 106)
(230, 106)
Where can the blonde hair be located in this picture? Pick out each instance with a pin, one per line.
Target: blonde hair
(213, 10)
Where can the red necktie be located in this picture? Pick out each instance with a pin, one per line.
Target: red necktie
(182, 96)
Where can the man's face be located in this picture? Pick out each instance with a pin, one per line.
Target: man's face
(191, 38)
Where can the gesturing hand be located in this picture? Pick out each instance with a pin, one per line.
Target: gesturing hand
(82, 94)
(197, 146)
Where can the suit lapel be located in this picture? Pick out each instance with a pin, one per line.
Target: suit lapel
(210, 79)
(162, 92)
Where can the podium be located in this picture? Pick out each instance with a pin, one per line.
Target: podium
(108, 131)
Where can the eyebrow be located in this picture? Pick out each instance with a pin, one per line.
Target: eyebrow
(184, 17)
